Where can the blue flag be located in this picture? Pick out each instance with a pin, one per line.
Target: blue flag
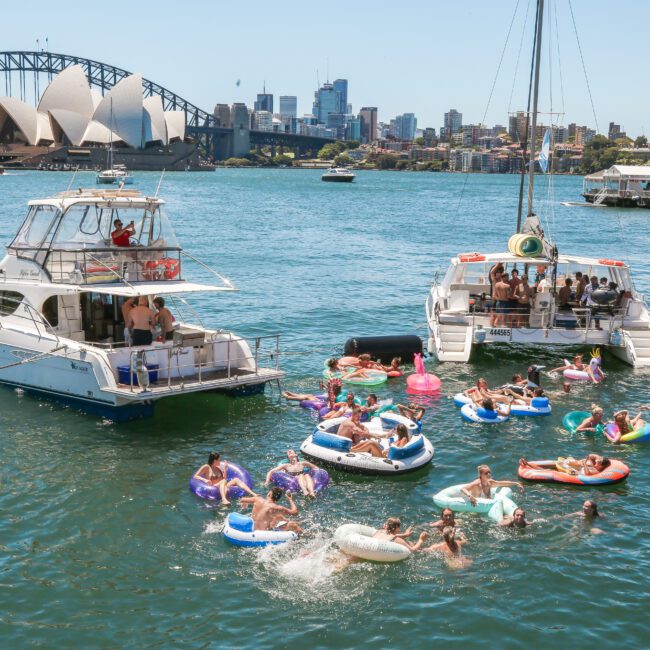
(545, 152)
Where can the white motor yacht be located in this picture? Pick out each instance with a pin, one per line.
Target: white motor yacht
(461, 313)
(62, 333)
(338, 175)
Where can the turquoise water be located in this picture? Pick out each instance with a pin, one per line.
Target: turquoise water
(102, 545)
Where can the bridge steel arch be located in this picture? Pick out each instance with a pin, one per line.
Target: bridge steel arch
(201, 125)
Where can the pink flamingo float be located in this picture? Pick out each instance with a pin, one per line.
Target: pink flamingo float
(422, 381)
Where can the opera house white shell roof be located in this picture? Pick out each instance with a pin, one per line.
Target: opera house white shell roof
(70, 108)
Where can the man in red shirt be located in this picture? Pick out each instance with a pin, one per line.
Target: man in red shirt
(121, 236)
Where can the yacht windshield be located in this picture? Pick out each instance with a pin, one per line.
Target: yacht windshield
(36, 227)
(90, 226)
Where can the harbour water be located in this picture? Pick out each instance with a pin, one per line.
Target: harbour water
(102, 544)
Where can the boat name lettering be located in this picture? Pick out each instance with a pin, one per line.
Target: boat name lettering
(500, 331)
(31, 273)
(79, 366)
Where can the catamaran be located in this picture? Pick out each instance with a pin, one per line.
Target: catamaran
(62, 332)
(460, 308)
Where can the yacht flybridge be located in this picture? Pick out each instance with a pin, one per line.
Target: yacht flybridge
(62, 285)
(463, 310)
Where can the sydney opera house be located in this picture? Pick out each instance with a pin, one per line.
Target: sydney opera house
(74, 124)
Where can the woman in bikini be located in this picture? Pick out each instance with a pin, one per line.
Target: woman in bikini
(299, 469)
(216, 473)
(374, 448)
(593, 421)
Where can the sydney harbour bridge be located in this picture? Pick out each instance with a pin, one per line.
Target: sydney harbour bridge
(24, 72)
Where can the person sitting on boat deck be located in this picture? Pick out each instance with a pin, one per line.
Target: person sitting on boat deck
(523, 296)
(578, 364)
(214, 472)
(267, 514)
(121, 236)
(128, 304)
(140, 323)
(299, 469)
(588, 301)
(564, 295)
(412, 411)
(342, 408)
(516, 520)
(593, 421)
(391, 533)
(502, 296)
(602, 283)
(164, 320)
(626, 425)
(482, 486)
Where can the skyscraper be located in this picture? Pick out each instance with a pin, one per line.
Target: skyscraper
(341, 91)
(264, 101)
(288, 106)
(405, 126)
(325, 102)
(368, 118)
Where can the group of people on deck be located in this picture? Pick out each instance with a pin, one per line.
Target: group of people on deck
(142, 324)
(512, 295)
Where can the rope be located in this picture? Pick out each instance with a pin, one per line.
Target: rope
(38, 357)
(584, 69)
(521, 45)
(487, 106)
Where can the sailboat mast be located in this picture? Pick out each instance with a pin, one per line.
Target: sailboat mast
(538, 51)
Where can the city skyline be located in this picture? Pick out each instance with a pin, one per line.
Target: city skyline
(426, 78)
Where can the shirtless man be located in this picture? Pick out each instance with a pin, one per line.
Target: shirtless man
(268, 515)
(481, 487)
(359, 434)
(140, 321)
(165, 319)
(502, 295)
(127, 306)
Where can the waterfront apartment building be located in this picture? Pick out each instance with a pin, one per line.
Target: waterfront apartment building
(368, 119)
(288, 106)
(453, 121)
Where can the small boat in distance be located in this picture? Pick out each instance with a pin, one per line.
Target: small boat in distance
(338, 175)
(117, 174)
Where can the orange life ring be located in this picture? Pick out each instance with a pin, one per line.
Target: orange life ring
(611, 263)
(471, 257)
(172, 268)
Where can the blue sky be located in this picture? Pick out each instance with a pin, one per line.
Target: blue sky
(421, 57)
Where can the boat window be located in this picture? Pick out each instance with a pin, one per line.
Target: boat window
(36, 226)
(50, 310)
(83, 226)
(158, 232)
(9, 302)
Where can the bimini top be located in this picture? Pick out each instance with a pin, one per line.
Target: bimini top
(84, 219)
(493, 258)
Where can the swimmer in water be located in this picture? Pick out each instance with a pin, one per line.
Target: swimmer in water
(516, 520)
(593, 421)
(450, 548)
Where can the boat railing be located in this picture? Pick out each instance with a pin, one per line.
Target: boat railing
(209, 360)
(11, 307)
(100, 265)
